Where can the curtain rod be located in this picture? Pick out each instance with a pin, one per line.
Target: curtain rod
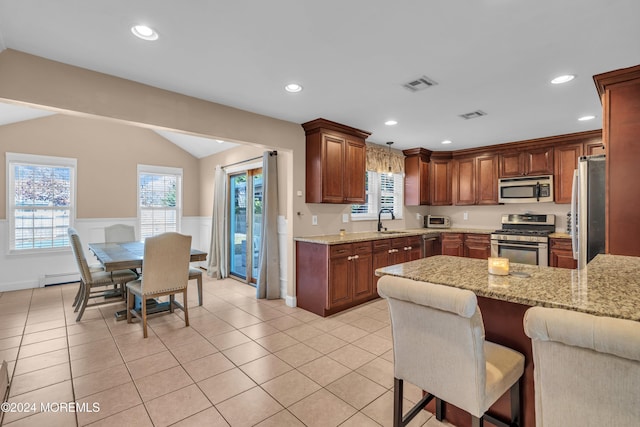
(271, 153)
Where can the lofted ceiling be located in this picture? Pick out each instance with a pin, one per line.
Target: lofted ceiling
(353, 59)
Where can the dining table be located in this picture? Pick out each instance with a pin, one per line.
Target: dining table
(130, 255)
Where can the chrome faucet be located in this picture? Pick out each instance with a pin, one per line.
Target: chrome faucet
(380, 213)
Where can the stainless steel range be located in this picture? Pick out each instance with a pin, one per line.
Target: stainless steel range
(524, 238)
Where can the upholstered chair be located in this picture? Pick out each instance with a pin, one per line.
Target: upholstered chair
(165, 268)
(196, 274)
(586, 368)
(439, 345)
(92, 280)
(119, 233)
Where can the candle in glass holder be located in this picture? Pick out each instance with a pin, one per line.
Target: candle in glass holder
(499, 266)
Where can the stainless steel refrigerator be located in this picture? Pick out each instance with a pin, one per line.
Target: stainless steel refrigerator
(588, 209)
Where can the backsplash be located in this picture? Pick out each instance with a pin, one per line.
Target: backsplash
(489, 216)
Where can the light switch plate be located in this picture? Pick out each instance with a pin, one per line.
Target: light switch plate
(314, 219)
(465, 216)
(345, 218)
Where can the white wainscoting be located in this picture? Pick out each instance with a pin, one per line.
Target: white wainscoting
(38, 270)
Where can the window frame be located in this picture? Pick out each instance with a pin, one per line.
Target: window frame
(161, 171)
(13, 159)
(374, 194)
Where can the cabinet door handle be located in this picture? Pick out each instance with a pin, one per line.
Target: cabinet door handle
(390, 251)
(355, 257)
(407, 248)
(349, 258)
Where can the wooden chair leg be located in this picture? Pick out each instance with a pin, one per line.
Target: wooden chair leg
(77, 297)
(397, 401)
(476, 422)
(199, 290)
(85, 300)
(439, 410)
(80, 297)
(172, 299)
(144, 316)
(185, 308)
(131, 299)
(515, 404)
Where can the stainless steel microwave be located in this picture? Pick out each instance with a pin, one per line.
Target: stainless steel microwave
(437, 221)
(526, 189)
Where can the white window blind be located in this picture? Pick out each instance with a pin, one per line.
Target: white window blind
(40, 201)
(382, 191)
(159, 200)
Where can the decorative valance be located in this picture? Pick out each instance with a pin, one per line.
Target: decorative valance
(379, 159)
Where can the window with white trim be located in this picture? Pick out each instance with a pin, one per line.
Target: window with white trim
(382, 191)
(40, 201)
(159, 200)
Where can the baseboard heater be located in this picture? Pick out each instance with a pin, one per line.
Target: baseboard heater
(58, 279)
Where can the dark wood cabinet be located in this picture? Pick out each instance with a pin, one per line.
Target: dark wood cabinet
(440, 184)
(594, 148)
(477, 246)
(432, 246)
(335, 162)
(561, 254)
(566, 162)
(476, 180)
(531, 161)
(453, 244)
(465, 181)
(416, 177)
(620, 94)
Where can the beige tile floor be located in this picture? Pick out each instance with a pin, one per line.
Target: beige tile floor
(242, 362)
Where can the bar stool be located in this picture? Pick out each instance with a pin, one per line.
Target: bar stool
(586, 368)
(439, 345)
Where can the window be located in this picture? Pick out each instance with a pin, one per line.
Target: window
(40, 202)
(159, 200)
(382, 191)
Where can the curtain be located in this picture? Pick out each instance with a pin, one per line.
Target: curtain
(217, 266)
(379, 159)
(269, 265)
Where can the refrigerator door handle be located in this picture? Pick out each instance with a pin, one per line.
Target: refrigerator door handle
(574, 215)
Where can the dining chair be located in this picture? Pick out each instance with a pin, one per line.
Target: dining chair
(165, 269)
(91, 280)
(586, 368)
(439, 346)
(196, 274)
(119, 233)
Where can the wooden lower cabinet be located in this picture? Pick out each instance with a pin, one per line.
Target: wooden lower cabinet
(453, 244)
(561, 254)
(477, 246)
(432, 246)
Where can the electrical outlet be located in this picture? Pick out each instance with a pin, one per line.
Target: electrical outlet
(465, 216)
(314, 219)
(418, 217)
(345, 218)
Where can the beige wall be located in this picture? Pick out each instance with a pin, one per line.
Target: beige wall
(108, 154)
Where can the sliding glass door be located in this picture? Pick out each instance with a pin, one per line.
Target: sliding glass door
(245, 193)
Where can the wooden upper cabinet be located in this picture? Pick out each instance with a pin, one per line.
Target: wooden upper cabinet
(355, 170)
(440, 184)
(532, 161)
(416, 176)
(335, 162)
(594, 148)
(566, 162)
(487, 179)
(476, 180)
(465, 181)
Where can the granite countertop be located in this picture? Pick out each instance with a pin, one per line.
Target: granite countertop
(559, 236)
(608, 286)
(334, 239)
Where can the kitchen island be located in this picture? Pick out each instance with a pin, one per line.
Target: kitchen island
(609, 286)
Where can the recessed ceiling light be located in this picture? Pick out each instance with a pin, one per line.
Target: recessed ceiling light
(446, 141)
(391, 122)
(585, 118)
(563, 79)
(293, 87)
(144, 32)
(219, 141)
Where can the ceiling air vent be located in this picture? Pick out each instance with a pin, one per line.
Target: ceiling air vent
(473, 114)
(420, 83)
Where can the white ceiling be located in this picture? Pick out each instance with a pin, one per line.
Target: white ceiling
(352, 57)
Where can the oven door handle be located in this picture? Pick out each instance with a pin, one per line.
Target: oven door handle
(536, 245)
